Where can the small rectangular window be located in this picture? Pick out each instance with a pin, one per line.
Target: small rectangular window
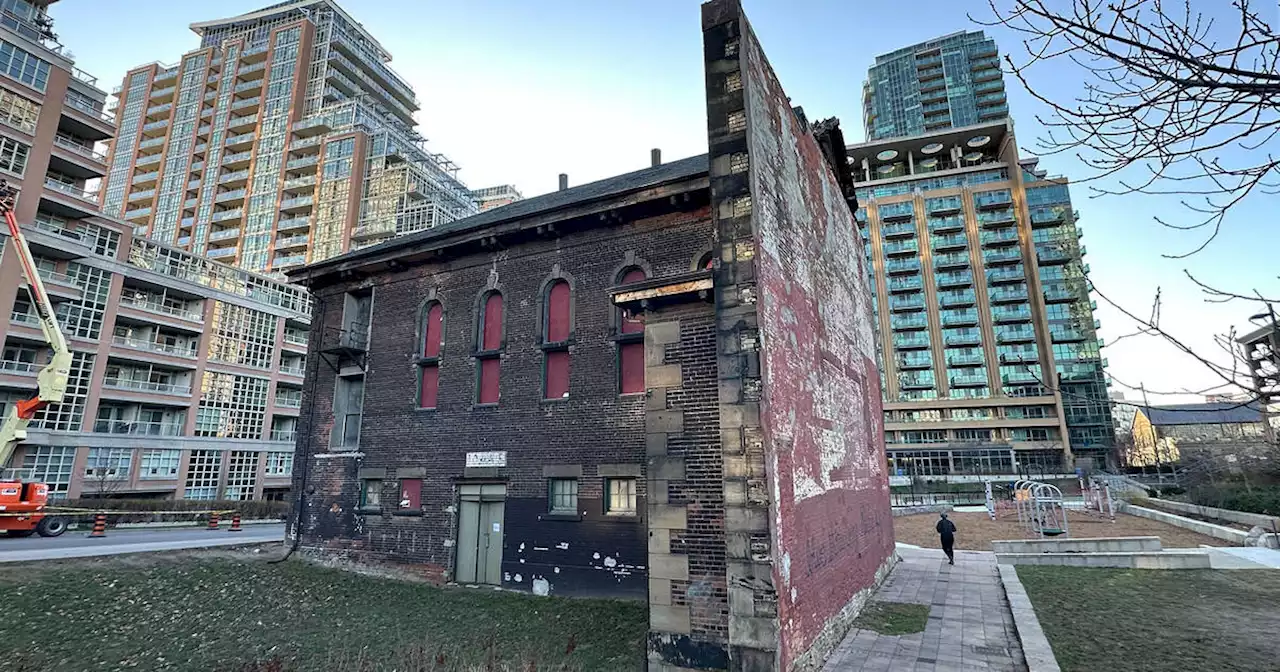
(411, 494)
(490, 373)
(430, 386)
(556, 375)
(631, 368)
(620, 496)
(562, 496)
(370, 493)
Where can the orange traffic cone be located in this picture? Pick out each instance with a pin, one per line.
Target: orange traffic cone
(213, 521)
(99, 526)
(235, 522)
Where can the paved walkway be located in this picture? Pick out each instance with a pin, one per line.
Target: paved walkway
(970, 626)
(77, 544)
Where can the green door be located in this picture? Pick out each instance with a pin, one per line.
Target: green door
(480, 530)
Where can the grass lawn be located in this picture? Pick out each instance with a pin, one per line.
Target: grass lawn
(893, 618)
(1158, 620)
(233, 613)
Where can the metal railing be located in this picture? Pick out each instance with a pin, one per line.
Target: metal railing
(56, 277)
(153, 307)
(295, 337)
(21, 368)
(67, 142)
(293, 370)
(137, 428)
(284, 434)
(70, 189)
(188, 351)
(146, 386)
(289, 400)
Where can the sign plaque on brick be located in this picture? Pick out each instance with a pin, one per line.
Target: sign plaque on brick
(492, 458)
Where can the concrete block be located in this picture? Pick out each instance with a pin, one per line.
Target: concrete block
(746, 519)
(619, 470)
(671, 422)
(751, 631)
(662, 333)
(735, 493)
(373, 473)
(664, 618)
(666, 467)
(1080, 545)
(655, 443)
(669, 566)
(665, 375)
(411, 472)
(655, 399)
(660, 591)
(667, 517)
(562, 471)
(658, 491)
(660, 541)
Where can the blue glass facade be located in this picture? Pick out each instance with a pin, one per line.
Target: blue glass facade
(949, 82)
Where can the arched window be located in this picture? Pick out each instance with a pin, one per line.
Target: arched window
(630, 342)
(489, 349)
(429, 355)
(706, 262)
(557, 318)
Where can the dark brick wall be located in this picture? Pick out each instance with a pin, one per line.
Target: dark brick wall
(594, 426)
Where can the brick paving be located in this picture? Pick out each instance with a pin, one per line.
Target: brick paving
(970, 625)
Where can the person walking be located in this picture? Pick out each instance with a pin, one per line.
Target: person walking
(947, 532)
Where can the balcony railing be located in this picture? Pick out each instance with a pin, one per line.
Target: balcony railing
(992, 200)
(999, 236)
(138, 428)
(291, 260)
(225, 234)
(957, 298)
(900, 246)
(951, 259)
(160, 308)
(290, 223)
(57, 278)
(293, 370)
(968, 379)
(905, 284)
(910, 341)
(299, 202)
(909, 321)
(87, 108)
(221, 252)
(71, 189)
(295, 337)
(1020, 314)
(905, 303)
(1002, 255)
(188, 351)
(225, 215)
(238, 156)
(233, 176)
(1019, 294)
(289, 400)
(1005, 275)
(67, 142)
(284, 435)
(303, 162)
(965, 360)
(146, 386)
(959, 318)
(950, 241)
(24, 318)
(902, 265)
(898, 229)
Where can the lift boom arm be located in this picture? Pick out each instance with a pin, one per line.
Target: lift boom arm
(52, 379)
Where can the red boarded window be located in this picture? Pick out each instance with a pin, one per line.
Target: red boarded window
(429, 358)
(557, 325)
(630, 342)
(489, 345)
(411, 493)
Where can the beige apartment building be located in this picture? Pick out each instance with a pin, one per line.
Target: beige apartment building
(187, 373)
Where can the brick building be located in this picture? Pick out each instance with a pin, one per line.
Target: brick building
(661, 385)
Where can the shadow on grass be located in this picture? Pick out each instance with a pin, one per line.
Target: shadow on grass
(893, 618)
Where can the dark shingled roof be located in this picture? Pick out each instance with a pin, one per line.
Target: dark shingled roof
(653, 176)
(1215, 413)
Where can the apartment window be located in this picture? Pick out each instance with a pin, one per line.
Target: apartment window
(411, 494)
(107, 463)
(562, 496)
(242, 475)
(159, 464)
(279, 464)
(489, 349)
(51, 465)
(348, 405)
(203, 473)
(370, 493)
(557, 317)
(620, 496)
(973, 435)
(630, 342)
(23, 66)
(231, 406)
(18, 112)
(13, 156)
(429, 358)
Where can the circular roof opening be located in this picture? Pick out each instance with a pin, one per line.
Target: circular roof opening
(928, 163)
(973, 156)
(885, 170)
(932, 148)
(887, 155)
(978, 141)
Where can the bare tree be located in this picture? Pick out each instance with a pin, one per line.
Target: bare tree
(1175, 100)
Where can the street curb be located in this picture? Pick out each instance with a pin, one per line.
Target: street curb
(1035, 646)
(176, 525)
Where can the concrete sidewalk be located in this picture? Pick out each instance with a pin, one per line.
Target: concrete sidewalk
(970, 624)
(79, 545)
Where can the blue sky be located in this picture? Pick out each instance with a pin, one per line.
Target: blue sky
(516, 91)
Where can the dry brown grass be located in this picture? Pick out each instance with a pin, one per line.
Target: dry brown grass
(975, 532)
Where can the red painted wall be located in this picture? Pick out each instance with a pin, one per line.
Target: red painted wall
(821, 410)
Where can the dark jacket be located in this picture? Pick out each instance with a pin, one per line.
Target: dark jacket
(946, 528)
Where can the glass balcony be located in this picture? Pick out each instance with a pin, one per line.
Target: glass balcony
(1003, 275)
(968, 379)
(1052, 254)
(945, 224)
(303, 162)
(289, 399)
(908, 321)
(20, 368)
(295, 336)
(287, 261)
(951, 259)
(1019, 378)
(293, 370)
(952, 241)
(1008, 294)
(965, 359)
(892, 265)
(224, 234)
(911, 302)
(1001, 255)
(960, 318)
(292, 223)
(953, 279)
(992, 199)
(1061, 335)
(227, 215)
(1010, 313)
(1015, 335)
(146, 386)
(963, 338)
(161, 309)
(227, 196)
(916, 380)
(910, 341)
(188, 351)
(221, 252)
(901, 247)
(283, 435)
(1000, 236)
(915, 360)
(304, 202)
(905, 284)
(996, 218)
(957, 298)
(898, 229)
(236, 176)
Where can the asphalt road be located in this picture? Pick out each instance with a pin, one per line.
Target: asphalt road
(77, 543)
